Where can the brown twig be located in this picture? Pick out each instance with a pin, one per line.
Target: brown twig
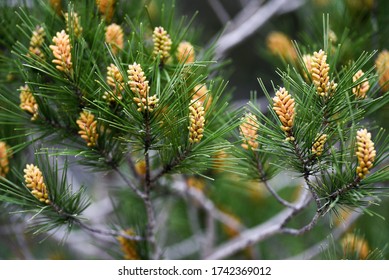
(268, 187)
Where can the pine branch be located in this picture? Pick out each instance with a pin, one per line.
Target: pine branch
(344, 189)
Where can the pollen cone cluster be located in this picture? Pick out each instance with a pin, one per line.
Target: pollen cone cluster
(320, 69)
(73, 23)
(162, 44)
(185, 53)
(106, 8)
(62, 52)
(114, 37)
(201, 94)
(34, 180)
(196, 122)
(318, 146)
(128, 246)
(36, 42)
(361, 89)
(355, 245)
(382, 65)
(88, 128)
(248, 131)
(28, 102)
(280, 44)
(140, 87)
(284, 106)
(4, 163)
(365, 153)
(116, 82)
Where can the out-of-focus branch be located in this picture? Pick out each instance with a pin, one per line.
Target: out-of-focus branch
(261, 232)
(324, 244)
(107, 232)
(15, 230)
(248, 10)
(249, 20)
(184, 248)
(219, 10)
(207, 205)
(210, 236)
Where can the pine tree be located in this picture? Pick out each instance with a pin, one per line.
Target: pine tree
(133, 97)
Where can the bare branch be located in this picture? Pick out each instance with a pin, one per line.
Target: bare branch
(209, 237)
(261, 232)
(268, 187)
(129, 183)
(108, 232)
(207, 205)
(246, 23)
(248, 10)
(277, 197)
(184, 248)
